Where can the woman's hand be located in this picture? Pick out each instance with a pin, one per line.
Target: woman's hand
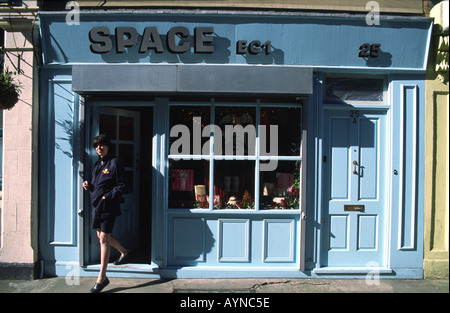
(86, 185)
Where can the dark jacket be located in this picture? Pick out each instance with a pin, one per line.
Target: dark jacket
(107, 180)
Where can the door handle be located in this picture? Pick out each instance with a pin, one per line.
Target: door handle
(354, 169)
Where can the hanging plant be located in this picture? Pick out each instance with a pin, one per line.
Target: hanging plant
(9, 90)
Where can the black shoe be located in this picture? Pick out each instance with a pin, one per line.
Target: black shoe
(122, 260)
(99, 287)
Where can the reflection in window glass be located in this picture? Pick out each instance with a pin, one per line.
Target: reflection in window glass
(280, 189)
(185, 180)
(353, 89)
(234, 184)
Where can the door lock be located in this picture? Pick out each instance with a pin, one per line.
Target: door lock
(354, 169)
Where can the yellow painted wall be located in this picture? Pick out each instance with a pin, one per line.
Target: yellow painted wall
(436, 235)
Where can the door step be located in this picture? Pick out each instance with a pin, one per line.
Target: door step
(352, 270)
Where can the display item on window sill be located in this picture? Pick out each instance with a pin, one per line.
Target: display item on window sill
(202, 200)
(281, 199)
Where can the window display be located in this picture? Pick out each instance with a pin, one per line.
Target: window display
(231, 175)
(280, 189)
(234, 183)
(184, 178)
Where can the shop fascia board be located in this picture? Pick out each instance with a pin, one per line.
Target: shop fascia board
(198, 78)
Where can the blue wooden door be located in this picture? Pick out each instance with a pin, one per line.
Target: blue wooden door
(122, 126)
(354, 188)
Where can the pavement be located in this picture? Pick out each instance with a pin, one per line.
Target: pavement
(243, 286)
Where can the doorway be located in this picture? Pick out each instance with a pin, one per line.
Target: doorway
(131, 131)
(354, 188)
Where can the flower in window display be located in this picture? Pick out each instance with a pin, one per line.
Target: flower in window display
(217, 203)
(247, 201)
(201, 202)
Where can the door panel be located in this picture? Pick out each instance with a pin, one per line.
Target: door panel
(353, 188)
(340, 141)
(122, 126)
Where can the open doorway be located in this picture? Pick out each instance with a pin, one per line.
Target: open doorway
(131, 132)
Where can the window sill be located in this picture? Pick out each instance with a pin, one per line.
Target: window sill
(235, 211)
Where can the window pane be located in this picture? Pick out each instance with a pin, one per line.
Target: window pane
(186, 129)
(130, 181)
(289, 128)
(234, 184)
(279, 189)
(237, 125)
(186, 179)
(126, 154)
(126, 128)
(348, 89)
(107, 125)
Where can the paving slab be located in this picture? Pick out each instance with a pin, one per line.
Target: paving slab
(140, 285)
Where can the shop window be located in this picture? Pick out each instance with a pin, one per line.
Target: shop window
(280, 189)
(187, 125)
(351, 89)
(237, 129)
(188, 184)
(234, 184)
(215, 164)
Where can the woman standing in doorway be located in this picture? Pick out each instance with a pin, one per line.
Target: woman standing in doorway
(107, 184)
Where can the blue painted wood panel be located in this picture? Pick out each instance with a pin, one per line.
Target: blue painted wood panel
(367, 232)
(58, 175)
(62, 163)
(340, 141)
(58, 199)
(233, 241)
(353, 147)
(279, 240)
(188, 240)
(338, 232)
(408, 159)
(323, 41)
(369, 170)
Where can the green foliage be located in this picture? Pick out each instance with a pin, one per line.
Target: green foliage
(9, 90)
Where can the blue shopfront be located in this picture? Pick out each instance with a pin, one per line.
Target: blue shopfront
(255, 145)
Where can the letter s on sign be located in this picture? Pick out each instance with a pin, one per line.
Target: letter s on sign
(99, 37)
